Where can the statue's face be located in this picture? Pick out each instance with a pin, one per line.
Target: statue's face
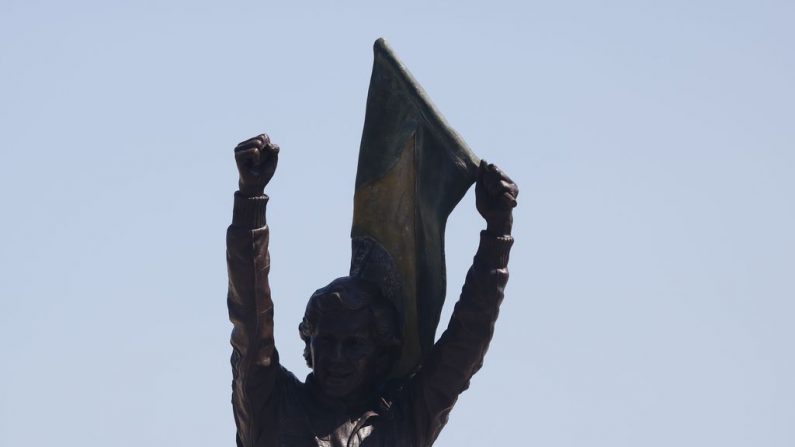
(344, 355)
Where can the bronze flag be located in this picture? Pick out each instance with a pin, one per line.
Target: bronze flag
(413, 170)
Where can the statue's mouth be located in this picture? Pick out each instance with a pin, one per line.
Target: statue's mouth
(339, 374)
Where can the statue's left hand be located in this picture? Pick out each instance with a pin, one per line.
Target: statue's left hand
(495, 197)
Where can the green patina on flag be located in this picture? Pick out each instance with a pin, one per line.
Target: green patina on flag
(413, 170)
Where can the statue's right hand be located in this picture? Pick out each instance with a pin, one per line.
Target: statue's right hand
(256, 162)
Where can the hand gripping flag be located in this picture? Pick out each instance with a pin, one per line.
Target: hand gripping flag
(413, 170)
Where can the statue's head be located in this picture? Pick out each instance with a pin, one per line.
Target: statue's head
(352, 337)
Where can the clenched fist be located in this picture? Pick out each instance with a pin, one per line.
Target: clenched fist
(256, 162)
(495, 198)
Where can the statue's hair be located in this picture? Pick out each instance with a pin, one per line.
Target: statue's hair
(352, 294)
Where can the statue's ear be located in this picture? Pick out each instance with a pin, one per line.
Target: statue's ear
(308, 352)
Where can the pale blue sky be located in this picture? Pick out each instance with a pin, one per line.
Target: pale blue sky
(653, 290)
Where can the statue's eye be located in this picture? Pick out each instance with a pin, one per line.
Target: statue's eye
(357, 344)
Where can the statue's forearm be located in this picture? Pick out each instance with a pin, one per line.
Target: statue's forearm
(248, 262)
(472, 323)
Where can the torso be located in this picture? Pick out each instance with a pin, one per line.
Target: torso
(304, 421)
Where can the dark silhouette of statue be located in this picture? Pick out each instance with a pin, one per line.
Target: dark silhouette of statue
(378, 377)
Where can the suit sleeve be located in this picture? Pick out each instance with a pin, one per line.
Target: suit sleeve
(255, 362)
(459, 352)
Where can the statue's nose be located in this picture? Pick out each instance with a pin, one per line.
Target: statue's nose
(337, 354)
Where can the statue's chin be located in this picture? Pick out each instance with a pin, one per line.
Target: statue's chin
(337, 386)
(343, 388)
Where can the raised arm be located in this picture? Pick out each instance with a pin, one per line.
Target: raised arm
(255, 362)
(459, 352)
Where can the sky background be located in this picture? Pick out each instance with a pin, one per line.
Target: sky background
(652, 295)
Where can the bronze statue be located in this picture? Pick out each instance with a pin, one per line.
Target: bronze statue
(377, 378)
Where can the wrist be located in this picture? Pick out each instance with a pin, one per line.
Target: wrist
(500, 227)
(251, 191)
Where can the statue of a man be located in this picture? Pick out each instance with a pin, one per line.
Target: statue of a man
(352, 334)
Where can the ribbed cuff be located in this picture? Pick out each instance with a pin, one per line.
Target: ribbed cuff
(249, 212)
(493, 250)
